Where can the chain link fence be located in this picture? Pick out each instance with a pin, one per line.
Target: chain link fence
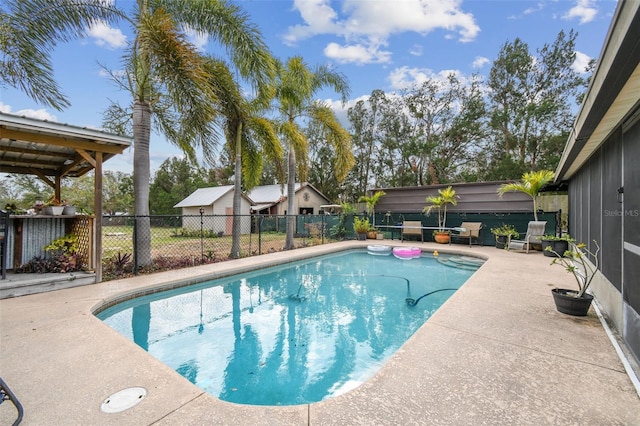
(179, 241)
(188, 240)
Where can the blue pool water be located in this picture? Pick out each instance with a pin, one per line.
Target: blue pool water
(292, 334)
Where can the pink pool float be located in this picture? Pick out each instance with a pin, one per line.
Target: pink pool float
(407, 252)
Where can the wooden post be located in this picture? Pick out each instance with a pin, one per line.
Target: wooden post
(97, 208)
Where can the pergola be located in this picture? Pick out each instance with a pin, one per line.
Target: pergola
(52, 151)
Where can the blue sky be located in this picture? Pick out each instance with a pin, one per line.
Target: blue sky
(377, 44)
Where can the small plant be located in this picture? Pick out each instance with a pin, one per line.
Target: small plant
(361, 225)
(37, 265)
(65, 245)
(53, 201)
(574, 262)
(120, 261)
(66, 254)
(565, 237)
(505, 230)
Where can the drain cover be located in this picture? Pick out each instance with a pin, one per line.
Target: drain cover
(123, 400)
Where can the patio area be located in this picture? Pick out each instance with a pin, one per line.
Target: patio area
(497, 352)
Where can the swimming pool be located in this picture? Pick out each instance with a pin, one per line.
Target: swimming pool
(292, 334)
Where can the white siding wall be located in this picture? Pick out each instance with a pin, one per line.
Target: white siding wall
(217, 223)
(315, 201)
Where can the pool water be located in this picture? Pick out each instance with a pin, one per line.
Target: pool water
(293, 334)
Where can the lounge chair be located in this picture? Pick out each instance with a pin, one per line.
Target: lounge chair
(7, 395)
(468, 230)
(411, 228)
(535, 230)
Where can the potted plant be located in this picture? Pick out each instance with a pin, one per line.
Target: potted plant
(503, 234)
(530, 184)
(558, 245)
(53, 206)
(69, 210)
(371, 204)
(372, 233)
(447, 196)
(361, 227)
(576, 302)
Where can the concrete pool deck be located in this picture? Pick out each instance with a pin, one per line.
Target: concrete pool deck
(497, 352)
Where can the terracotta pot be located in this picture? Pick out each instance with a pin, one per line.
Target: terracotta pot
(442, 237)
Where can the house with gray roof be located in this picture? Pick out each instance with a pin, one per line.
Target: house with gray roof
(272, 199)
(217, 210)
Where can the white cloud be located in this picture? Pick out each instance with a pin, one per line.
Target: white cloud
(199, 40)
(416, 50)
(111, 73)
(319, 18)
(106, 35)
(532, 10)
(366, 25)
(480, 61)
(358, 54)
(583, 10)
(405, 77)
(40, 114)
(581, 62)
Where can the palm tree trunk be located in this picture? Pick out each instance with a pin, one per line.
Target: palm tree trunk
(141, 176)
(237, 197)
(291, 190)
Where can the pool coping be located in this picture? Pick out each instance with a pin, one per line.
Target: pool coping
(488, 355)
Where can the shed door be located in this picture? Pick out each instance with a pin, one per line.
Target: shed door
(229, 221)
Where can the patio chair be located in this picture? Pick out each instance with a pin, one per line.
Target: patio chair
(411, 228)
(535, 230)
(7, 395)
(468, 230)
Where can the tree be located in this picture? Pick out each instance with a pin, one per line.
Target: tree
(295, 86)
(371, 201)
(446, 196)
(175, 179)
(249, 137)
(530, 184)
(531, 99)
(170, 87)
(29, 31)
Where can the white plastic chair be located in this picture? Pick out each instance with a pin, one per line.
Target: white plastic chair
(535, 230)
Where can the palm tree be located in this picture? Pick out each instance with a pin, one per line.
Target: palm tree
(530, 184)
(371, 204)
(30, 29)
(295, 86)
(446, 196)
(170, 85)
(164, 73)
(249, 137)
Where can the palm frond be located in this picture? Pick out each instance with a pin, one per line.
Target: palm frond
(337, 136)
(229, 25)
(30, 29)
(298, 143)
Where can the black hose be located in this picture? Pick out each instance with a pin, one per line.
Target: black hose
(414, 302)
